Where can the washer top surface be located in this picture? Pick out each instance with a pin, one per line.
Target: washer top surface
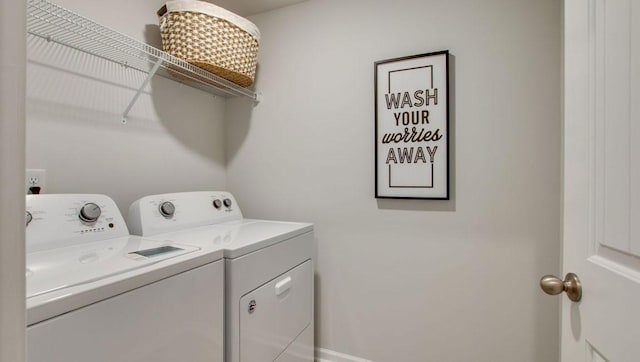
(238, 237)
(76, 265)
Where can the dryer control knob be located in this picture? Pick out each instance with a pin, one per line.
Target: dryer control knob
(167, 209)
(89, 213)
(27, 218)
(227, 202)
(217, 203)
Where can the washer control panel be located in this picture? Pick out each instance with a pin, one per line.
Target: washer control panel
(58, 220)
(156, 214)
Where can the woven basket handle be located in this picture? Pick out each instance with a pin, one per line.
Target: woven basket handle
(162, 10)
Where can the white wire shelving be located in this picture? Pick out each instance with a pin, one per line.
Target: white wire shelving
(59, 25)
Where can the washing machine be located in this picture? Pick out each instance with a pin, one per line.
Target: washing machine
(95, 293)
(268, 270)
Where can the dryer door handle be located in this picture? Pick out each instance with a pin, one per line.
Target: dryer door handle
(283, 285)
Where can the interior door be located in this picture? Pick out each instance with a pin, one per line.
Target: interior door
(602, 179)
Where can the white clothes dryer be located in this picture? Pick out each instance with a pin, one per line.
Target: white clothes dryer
(268, 270)
(96, 294)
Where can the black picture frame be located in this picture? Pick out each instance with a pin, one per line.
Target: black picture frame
(412, 127)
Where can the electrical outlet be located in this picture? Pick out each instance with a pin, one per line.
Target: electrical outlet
(35, 178)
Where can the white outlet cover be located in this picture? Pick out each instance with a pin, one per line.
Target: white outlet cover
(35, 177)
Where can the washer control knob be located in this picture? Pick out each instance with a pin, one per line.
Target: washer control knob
(227, 202)
(27, 218)
(89, 213)
(167, 209)
(217, 203)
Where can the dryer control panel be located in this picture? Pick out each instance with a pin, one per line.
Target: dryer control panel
(157, 214)
(59, 220)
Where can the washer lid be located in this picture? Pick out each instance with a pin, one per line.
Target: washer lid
(239, 237)
(61, 268)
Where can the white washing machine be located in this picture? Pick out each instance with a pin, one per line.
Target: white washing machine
(96, 294)
(268, 270)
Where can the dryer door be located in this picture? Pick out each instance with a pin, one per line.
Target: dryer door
(272, 316)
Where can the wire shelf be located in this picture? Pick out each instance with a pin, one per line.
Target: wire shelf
(57, 24)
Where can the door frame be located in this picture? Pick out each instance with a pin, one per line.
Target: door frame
(12, 167)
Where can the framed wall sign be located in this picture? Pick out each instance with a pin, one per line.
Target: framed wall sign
(412, 127)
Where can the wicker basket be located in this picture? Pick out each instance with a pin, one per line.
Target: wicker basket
(211, 38)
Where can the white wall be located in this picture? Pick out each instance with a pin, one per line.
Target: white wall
(174, 137)
(407, 280)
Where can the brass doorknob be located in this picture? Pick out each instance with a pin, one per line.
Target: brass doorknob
(553, 285)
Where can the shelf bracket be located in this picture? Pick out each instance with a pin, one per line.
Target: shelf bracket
(152, 72)
(258, 98)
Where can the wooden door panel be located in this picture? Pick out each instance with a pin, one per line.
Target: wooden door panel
(615, 125)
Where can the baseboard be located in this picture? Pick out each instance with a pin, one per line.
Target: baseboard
(327, 355)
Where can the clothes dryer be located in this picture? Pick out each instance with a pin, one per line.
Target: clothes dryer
(95, 293)
(268, 270)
